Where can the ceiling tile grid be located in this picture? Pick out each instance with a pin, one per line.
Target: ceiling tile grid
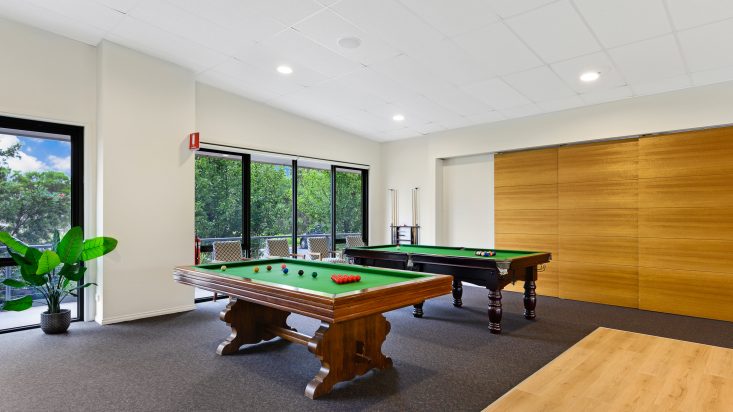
(440, 64)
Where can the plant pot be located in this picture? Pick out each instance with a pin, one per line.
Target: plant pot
(52, 323)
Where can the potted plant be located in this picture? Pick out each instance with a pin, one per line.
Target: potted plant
(54, 273)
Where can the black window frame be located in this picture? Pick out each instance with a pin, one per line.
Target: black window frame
(76, 138)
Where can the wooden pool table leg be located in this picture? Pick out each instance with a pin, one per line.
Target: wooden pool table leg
(417, 309)
(457, 293)
(249, 322)
(495, 310)
(346, 350)
(530, 296)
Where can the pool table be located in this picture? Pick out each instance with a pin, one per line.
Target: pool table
(507, 266)
(349, 340)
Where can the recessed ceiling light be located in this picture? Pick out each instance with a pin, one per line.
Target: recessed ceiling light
(398, 118)
(590, 76)
(283, 69)
(349, 42)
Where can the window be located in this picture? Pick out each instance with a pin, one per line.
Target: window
(41, 189)
(253, 198)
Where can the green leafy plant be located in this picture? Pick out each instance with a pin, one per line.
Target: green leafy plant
(55, 273)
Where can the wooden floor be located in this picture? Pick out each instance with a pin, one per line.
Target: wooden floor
(614, 370)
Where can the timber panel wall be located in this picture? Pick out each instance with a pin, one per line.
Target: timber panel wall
(642, 223)
(526, 209)
(598, 225)
(686, 223)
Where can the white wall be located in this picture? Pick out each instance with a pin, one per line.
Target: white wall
(691, 108)
(146, 110)
(50, 78)
(467, 207)
(226, 118)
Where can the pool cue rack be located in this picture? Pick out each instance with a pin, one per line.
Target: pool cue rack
(404, 234)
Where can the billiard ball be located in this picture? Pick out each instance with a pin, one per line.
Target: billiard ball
(285, 271)
(269, 268)
(283, 266)
(223, 268)
(314, 274)
(257, 269)
(300, 272)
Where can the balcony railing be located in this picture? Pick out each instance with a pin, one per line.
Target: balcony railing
(257, 243)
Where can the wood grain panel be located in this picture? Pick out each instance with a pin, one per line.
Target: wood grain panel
(598, 222)
(687, 254)
(526, 221)
(521, 241)
(687, 223)
(529, 167)
(547, 283)
(695, 153)
(614, 370)
(597, 162)
(687, 191)
(691, 293)
(600, 249)
(611, 194)
(525, 197)
(593, 282)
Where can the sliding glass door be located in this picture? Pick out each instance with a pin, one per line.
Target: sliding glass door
(218, 203)
(40, 194)
(271, 203)
(314, 203)
(350, 212)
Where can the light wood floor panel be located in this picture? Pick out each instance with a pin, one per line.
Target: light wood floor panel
(598, 162)
(599, 222)
(611, 194)
(687, 254)
(613, 370)
(691, 293)
(687, 191)
(529, 167)
(525, 197)
(526, 221)
(599, 283)
(687, 223)
(697, 153)
(600, 249)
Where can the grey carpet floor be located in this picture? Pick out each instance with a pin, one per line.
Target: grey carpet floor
(445, 361)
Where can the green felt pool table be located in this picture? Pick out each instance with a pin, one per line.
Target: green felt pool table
(352, 330)
(494, 272)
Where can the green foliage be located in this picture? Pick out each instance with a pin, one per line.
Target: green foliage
(48, 262)
(18, 305)
(34, 204)
(218, 197)
(96, 247)
(39, 270)
(314, 201)
(71, 246)
(271, 200)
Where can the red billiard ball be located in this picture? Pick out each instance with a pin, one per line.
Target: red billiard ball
(283, 266)
(358, 278)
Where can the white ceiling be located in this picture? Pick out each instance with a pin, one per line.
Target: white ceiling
(443, 64)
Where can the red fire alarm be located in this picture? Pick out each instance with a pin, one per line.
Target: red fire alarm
(193, 141)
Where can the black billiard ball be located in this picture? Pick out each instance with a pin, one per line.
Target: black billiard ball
(314, 274)
(300, 272)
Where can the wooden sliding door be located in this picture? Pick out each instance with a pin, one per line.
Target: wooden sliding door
(686, 223)
(525, 201)
(598, 203)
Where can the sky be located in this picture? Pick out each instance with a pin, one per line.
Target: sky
(38, 154)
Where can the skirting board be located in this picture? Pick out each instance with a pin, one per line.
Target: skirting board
(141, 315)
